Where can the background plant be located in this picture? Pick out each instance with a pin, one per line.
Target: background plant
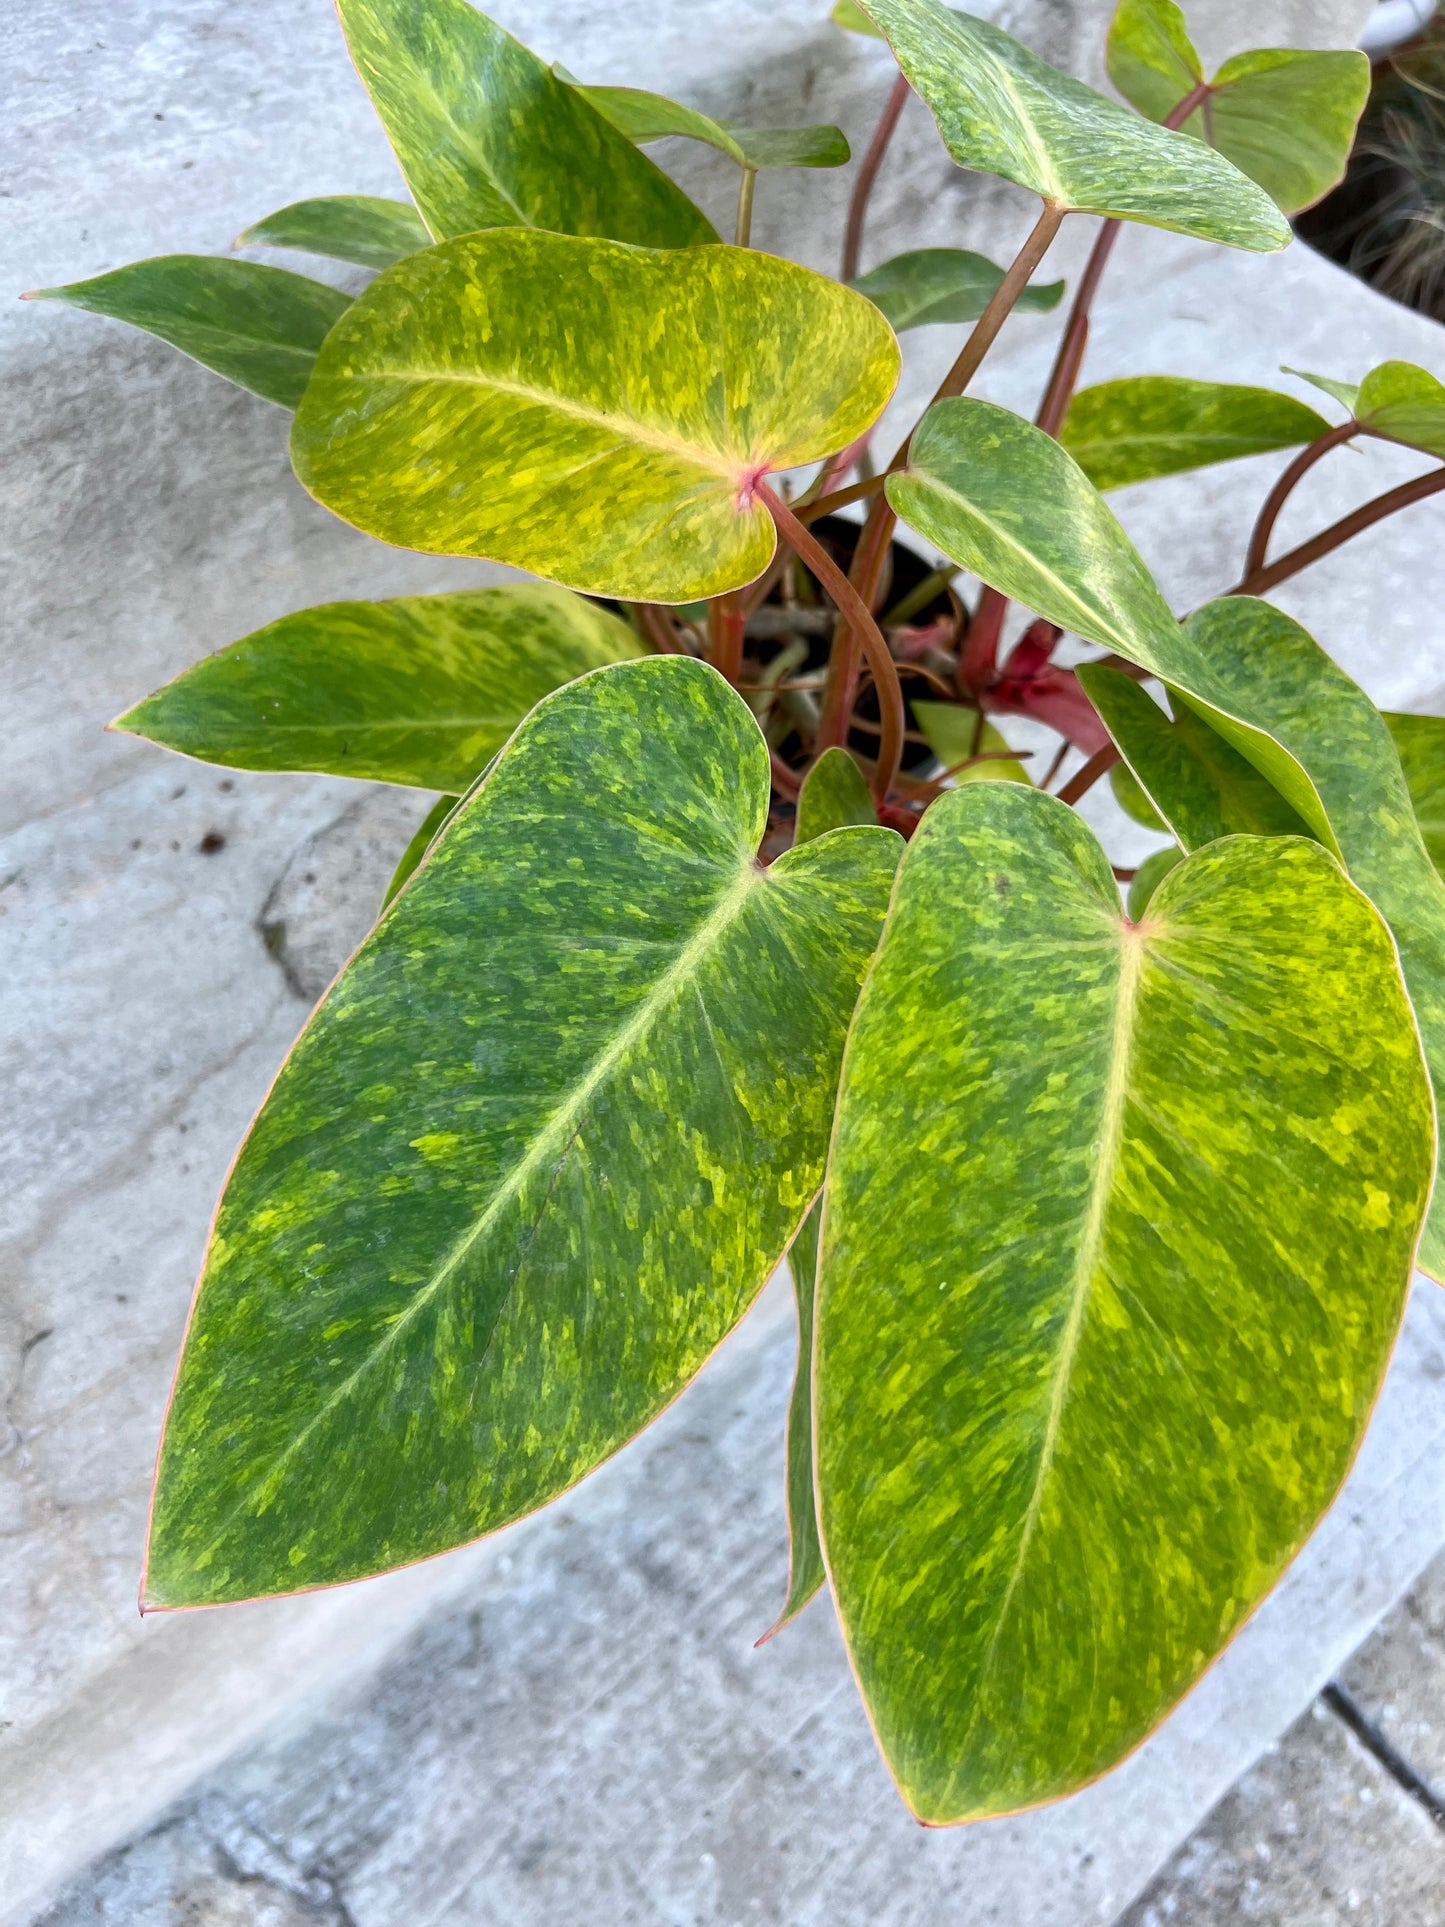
(1118, 1207)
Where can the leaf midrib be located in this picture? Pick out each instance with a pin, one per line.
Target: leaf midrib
(625, 427)
(1086, 1264)
(558, 1129)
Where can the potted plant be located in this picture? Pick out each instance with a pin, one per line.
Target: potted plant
(741, 927)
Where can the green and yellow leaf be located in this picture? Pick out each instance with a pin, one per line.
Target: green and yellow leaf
(422, 690)
(955, 738)
(1117, 1234)
(1150, 425)
(1007, 501)
(595, 413)
(1002, 110)
(1420, 744)
(1403, 403)
(644, 117)
(259, 327)
(344, 227)
(1147, 878)
(533, 1157)
(427, 832)
(487, 136)
(834, 794)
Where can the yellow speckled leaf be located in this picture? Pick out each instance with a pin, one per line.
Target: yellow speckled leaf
(533, 1157)
(1117, 1233)
(595, 413)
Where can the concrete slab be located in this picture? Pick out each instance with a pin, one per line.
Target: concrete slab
(150, 517)
(1397, 1679)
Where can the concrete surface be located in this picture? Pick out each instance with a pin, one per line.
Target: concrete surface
(150, 516)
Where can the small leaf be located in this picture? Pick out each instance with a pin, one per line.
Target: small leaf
(426, 834)
(1404, 404)
(847, 14)
(345, 227)
(1116, 1242)
(259, 327)
(833, 795)
(1346, 393)
(1420, 743)
(644, 117)
(1284, 116)
(422, 690)
(1147, 878)
(533, 1157)
(945, 285)
(487, 136)
(1000, 497)
(1150, 57)
(484, 398)
(1150, 425)
(806, 1574)
(1004, 111)
(950, 729)
(1131, 798)
(1201, 787)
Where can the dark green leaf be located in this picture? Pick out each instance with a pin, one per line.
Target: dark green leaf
(805, 1554)
(1150, 874)
(1131, 799)
(259, 327)
(1005, 500)
(945, 285)
(1420, 744)
(426, 834)
(643, 117)
(533, 1157)
(1149, 425)
(484, 398)
(1202, 788)
(422, 690)
(1004, 111)
(345, 227)
(1117, 1234)
(487, 136)
(833, 794)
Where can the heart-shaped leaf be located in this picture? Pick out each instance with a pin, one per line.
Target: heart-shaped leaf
(1201, 787)
(259, 327)
(1004, 111)
(1403, 403)
(1150, 425)
(533, 1157)
(1285, 116)
(1420, 744)
(644, 117)
(1116, 1241)
(945, 285)
(597, 414)
(834, 794)
(423, 690)
(344, 227)
(1000, 497)
(487, 136)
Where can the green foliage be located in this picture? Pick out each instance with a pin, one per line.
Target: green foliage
(1148, 425)
(644, 117)
(834, 794)
(423, 690)
(1420, 744)
(259, 327)
(1002, 498)
(346, 227)
(936, 285)
(1284, 116)
(508, 1274)
(1108, 1236)
(480, 399)
(1106, 1298)
(1004, 111)
(487, 136)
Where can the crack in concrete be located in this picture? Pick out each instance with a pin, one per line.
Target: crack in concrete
(1349, 1711)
